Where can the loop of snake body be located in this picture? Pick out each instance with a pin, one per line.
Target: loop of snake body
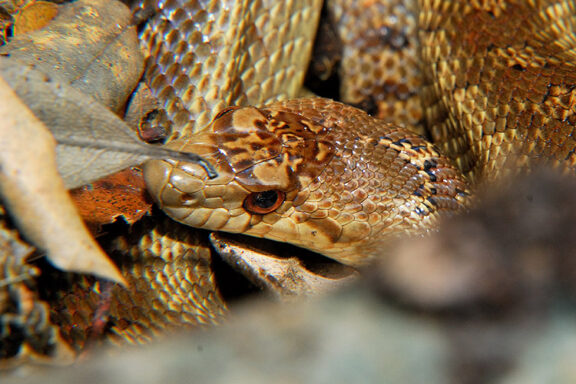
(497, 87)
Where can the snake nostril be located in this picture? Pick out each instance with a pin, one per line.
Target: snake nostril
(188, 199)
(225, 111)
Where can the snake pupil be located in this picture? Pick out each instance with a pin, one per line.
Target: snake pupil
(265, 199)
(264, 202)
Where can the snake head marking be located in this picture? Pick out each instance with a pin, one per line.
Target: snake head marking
(264, 160)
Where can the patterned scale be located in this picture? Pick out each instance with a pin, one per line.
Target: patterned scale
(501, 82)
(207, 55)
(380, 60)
(171, 283)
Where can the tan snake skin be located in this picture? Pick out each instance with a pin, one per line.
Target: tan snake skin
(496, 102)
(205, 55)
(380, 58)
(171, 286)
(501, 82)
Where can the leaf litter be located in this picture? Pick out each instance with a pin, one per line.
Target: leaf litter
(61, 87)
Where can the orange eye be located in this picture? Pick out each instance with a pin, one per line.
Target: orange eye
(264, 202)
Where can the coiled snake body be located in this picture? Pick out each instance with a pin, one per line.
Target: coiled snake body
(498, 96)
(313, 171)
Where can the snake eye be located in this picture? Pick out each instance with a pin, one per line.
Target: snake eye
(264, 202)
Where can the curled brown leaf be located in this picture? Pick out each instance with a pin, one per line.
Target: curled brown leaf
(90, 45)
(120, 195)
(36, 196)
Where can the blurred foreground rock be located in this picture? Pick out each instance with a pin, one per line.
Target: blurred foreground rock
(517, 247)
(343, 339)
(350, 337)
(488, 299)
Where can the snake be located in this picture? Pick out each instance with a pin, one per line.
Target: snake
(465, 93)
(293, 172)
(332, 179)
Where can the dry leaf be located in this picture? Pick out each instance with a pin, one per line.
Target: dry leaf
(54, 70)
(93, 141)
(281, 273)
(84, 48)
(36, 196)
(122, 194)
(90, 45)
(46, 69)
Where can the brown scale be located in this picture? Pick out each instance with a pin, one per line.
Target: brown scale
(206, 55)
(380, 62)
(501, 83)
(171, 286)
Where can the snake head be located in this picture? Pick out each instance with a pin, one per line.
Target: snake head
(265, 162)
(336, 183)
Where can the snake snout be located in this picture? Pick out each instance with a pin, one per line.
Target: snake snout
(174, 184)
